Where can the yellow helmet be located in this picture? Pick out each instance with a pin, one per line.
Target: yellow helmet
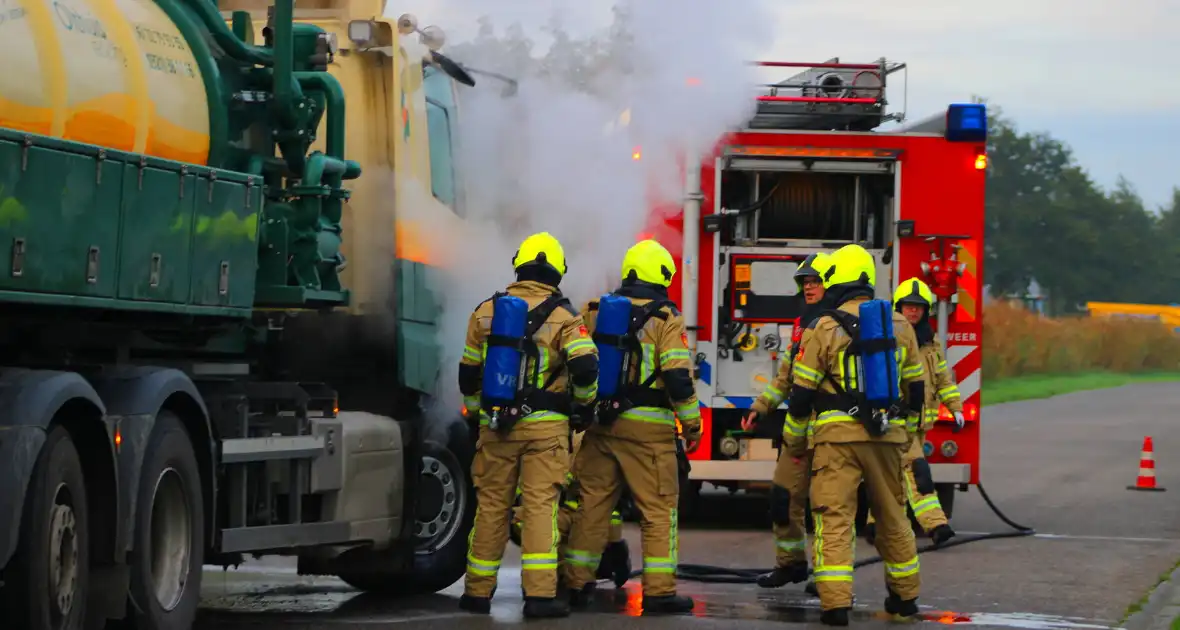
(649, 262)
(851, 264)
(541, 248)
(913, 291)
(814, 267)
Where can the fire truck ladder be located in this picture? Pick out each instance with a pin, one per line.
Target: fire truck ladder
(827, 96)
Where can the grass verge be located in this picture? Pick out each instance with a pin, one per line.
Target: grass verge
(1138, 606)
(1044, 386)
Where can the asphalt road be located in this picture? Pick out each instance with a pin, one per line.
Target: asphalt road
(1059, 465)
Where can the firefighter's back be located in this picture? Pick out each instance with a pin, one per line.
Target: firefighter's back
(832, 422)
(550, 376)
(657, 341)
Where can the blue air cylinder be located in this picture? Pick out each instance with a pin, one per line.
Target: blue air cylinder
(879, 367)
(501, 368)
(614, 318)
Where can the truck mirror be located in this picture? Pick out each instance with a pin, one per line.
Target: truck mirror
(453, 70)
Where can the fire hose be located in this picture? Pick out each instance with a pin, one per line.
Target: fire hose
(727, 575)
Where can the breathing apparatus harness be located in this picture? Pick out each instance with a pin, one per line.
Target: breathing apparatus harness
(874, 412)
(627, 392)
(529, 397)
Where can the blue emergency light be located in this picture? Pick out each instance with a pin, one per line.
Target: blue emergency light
(966, 122)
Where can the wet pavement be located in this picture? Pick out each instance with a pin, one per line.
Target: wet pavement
(1060, 466)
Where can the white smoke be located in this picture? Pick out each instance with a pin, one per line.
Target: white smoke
(665, 76)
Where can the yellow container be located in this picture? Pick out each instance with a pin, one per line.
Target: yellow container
(69, 75)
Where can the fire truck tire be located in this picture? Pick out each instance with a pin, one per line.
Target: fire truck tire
(49, 572)
(169, 542)
(946, 496)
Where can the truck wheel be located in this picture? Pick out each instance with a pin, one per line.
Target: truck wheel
(48, 580)
(446, 513)
(169, 534)
(946, 496)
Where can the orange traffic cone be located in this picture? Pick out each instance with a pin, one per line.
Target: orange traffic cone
(1146, 479)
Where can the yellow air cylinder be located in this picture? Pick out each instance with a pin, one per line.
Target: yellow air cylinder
(68, 75)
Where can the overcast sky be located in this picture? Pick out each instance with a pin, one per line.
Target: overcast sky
(1063, 66)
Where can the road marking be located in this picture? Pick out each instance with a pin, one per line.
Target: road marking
(368, 620)
(1077, 537)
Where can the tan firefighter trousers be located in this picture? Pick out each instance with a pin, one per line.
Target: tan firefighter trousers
(565, 516)
(837, 470)
(788, 511)
(602, 466)
(926, 507)
(539, 467)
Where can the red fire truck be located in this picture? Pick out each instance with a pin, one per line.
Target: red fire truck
(810, 173)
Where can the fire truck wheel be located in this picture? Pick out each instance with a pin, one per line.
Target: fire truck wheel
(169, 532)
(47, 580)
(946, 496)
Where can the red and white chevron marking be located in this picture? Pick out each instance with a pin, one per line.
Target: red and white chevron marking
(969, 357)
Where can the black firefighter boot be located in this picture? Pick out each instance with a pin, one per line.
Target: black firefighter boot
(581, 597)
(895, 605)
(667, 604)
(545, 608)
(477, 605)
(941, 534)
(616, 564)
(835, 617)
(793, 573)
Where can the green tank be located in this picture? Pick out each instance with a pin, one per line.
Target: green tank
(176, 331)
(189, 186)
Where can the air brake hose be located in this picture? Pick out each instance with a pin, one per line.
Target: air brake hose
(726, 575)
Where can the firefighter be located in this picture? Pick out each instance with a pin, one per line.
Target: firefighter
(788, 495)
(525, 441)
(616, 559)
(634, 441)
(850, 443)
(913, 299)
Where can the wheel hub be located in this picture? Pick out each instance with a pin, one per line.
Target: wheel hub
(171, 539)
(63, 556)
(439, 505)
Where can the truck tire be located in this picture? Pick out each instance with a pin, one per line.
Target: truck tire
(446, 511)
(169, 543)
(48, 580)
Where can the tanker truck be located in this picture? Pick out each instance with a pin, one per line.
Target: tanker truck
(218, 337)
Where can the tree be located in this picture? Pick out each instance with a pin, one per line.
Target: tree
(1047, 218)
